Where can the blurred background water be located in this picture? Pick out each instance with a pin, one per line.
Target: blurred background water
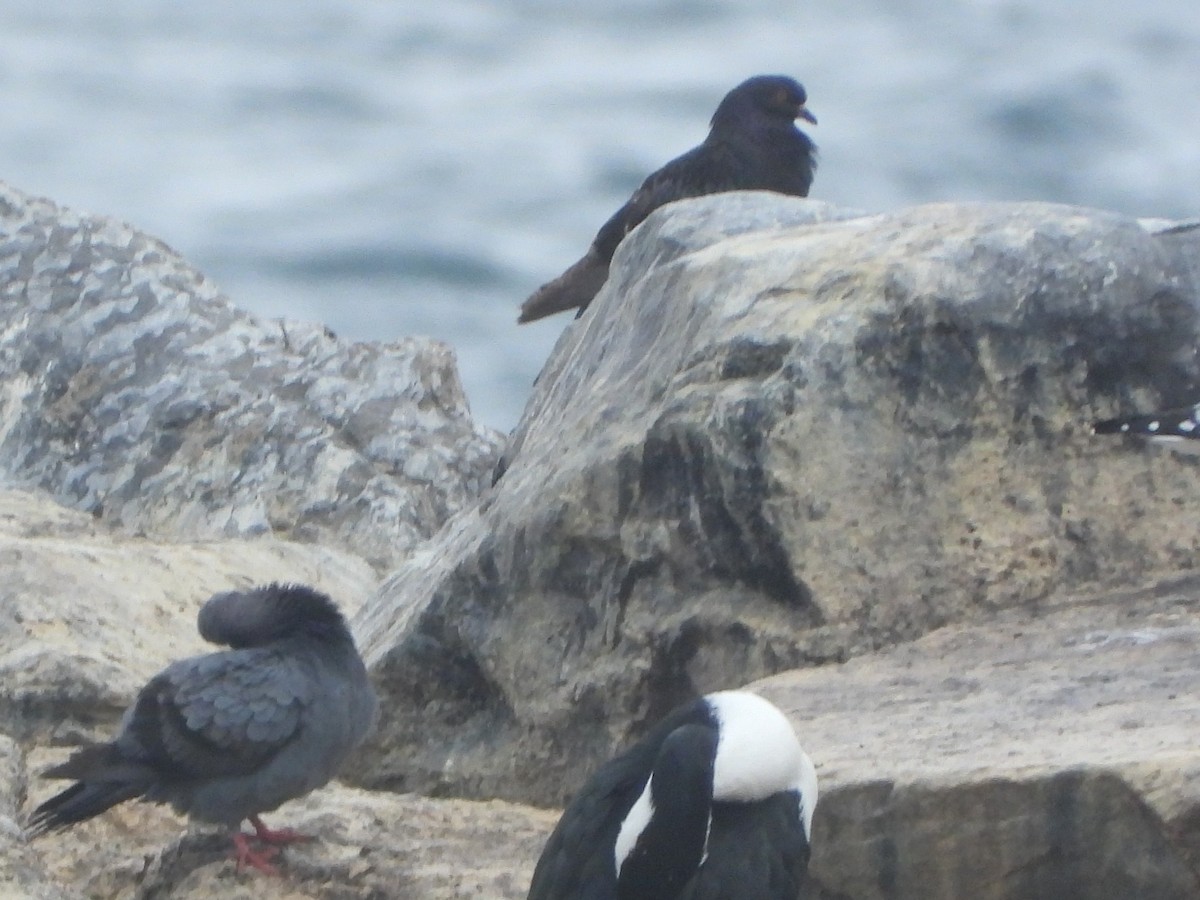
(393, 168)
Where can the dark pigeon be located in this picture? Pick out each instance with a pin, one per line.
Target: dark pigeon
(752, 145)
(226, 736)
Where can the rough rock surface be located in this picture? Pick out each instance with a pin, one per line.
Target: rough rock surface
(783, 435)
(88, 616)
(782, 438)
(1030, 757)
(370, 846)
(131, 388)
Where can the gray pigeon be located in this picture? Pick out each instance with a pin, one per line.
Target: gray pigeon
(226, 736)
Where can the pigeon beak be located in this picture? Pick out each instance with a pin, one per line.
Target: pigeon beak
(803, 113)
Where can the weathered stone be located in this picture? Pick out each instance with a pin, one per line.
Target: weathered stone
(20, 877)
(1030, 757)
(367, 847)
(131, 388)
(780, 437)
(784, 448)
(87, 617)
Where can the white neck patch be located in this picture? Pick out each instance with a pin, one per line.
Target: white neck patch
(758, 753)
(633, 826)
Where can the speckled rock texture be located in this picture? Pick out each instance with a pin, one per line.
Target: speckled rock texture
(1026, 757)
(131, 388)
(88, 615)
(851, 453)
(779, 438)
(1034, 754)
(369, 846)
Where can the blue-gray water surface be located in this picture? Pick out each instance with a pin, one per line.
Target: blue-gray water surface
(418, 168)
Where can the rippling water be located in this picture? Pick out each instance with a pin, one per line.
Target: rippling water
(403, 168)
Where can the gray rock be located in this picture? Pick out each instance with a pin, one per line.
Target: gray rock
(782, 447)
(1031, 756)
(88, 616)
(1027, 757)
(20, 877)
(131, 388)
(373, 846)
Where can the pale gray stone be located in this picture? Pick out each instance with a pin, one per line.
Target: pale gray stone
(88, 616)
(784, 435)
(786, 447)
(369, 846)
(131, 388)
(1028, 757)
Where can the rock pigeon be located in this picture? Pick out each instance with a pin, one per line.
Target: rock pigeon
(225, 736)
(752, 145)
(715, 802)
(1180, 428)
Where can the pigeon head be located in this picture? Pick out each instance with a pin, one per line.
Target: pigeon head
(776, 97)
(271, 613)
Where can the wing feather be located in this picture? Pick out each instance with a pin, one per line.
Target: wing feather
(217, 715)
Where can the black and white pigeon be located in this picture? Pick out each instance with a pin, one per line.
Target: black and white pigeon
(229, 735)
(753, 144)
(1180, 428)
(714, 803)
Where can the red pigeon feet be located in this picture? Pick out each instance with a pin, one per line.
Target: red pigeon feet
(254, 858)
(260, 857)
(280, 838)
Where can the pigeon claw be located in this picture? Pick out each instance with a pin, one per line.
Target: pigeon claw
(254, 858)
(280, 838)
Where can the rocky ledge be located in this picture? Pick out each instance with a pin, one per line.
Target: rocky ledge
(846, 454)
(784, 437)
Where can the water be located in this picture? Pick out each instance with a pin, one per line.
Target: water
(405, 168)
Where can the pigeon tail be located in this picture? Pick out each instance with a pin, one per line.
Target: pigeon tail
(1179, 429)
(575, 287)
(104, 780)
(1184, 423)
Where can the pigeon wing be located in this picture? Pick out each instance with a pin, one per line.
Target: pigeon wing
(218, 715)
(707, 169)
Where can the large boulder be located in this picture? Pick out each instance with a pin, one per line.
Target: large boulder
(1045, 752)
(784, 435)
(131, 388)
(1046, 756)
(781, 437)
